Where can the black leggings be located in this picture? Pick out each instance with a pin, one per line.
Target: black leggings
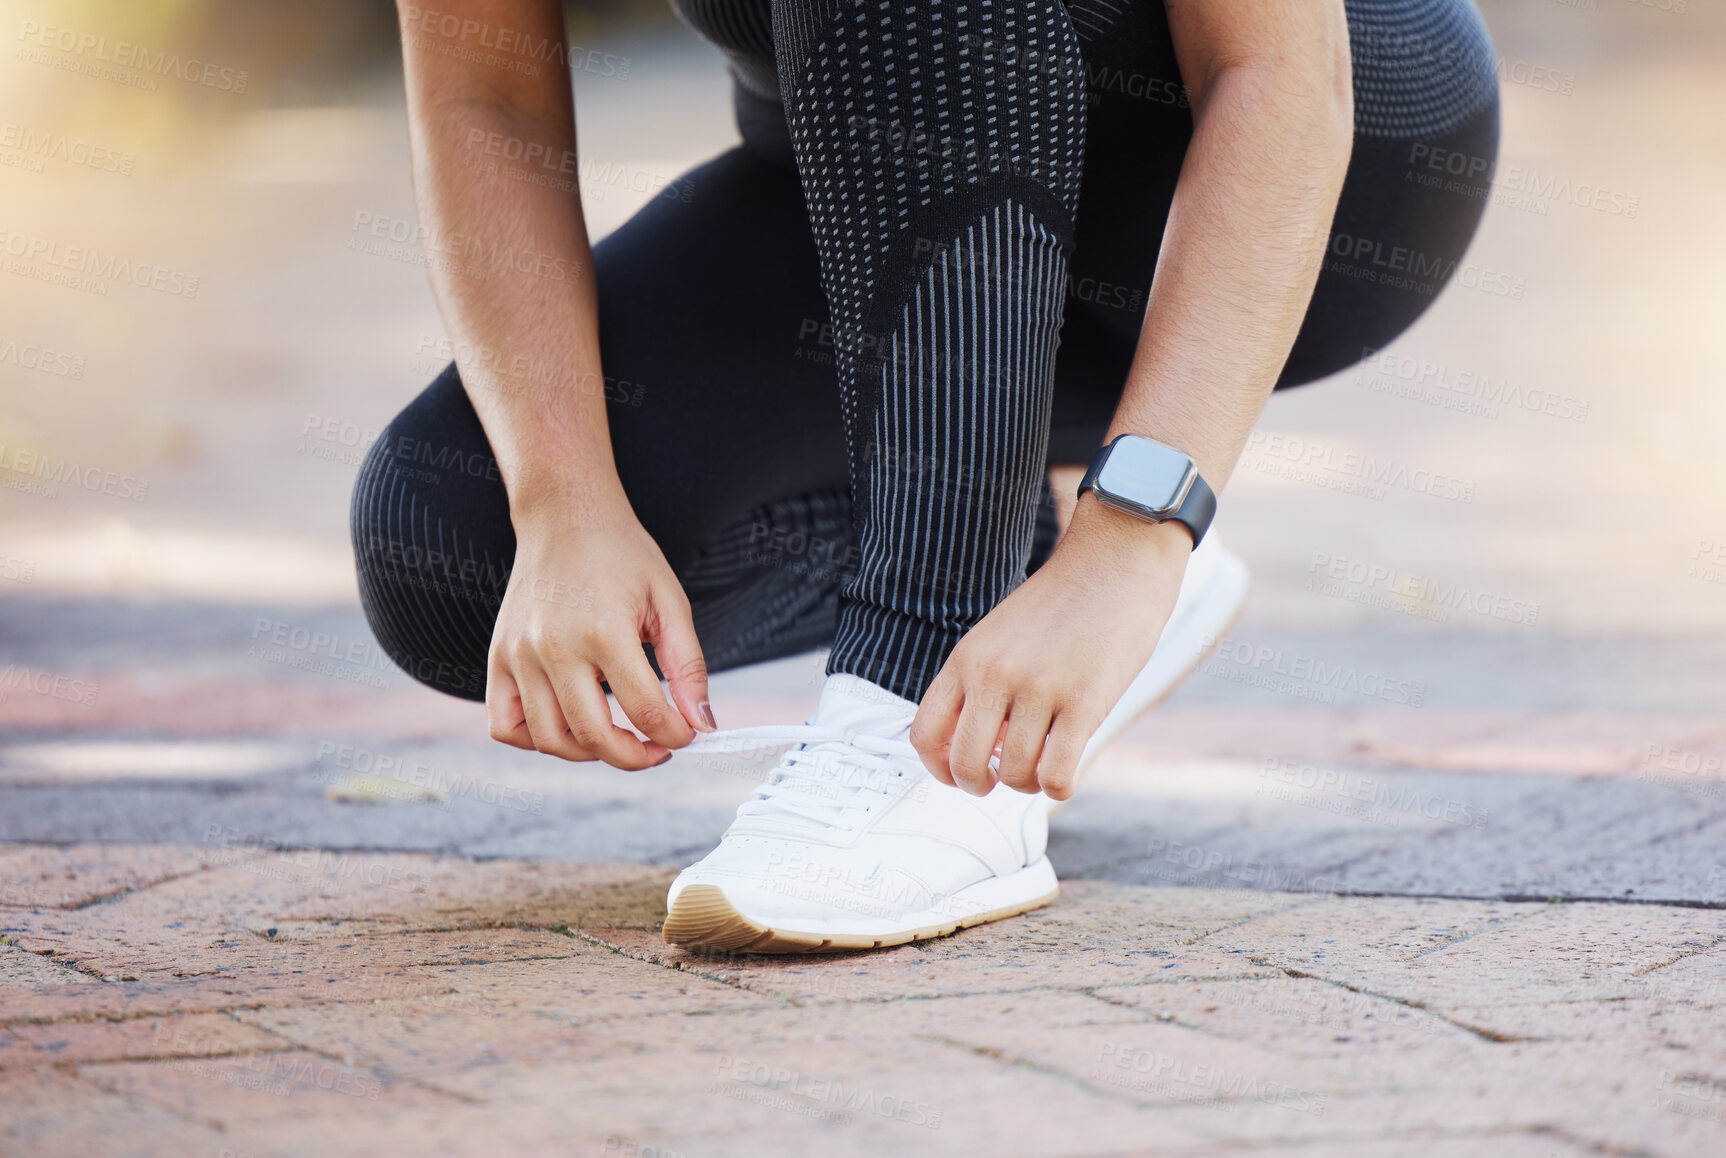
(775, 348)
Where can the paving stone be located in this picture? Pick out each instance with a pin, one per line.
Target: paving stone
(1630, 1037)
(1440, 952)
(324, 885)
(125, 947)
(192, 1035)
(525, 1013)
(48, 1111)
(1498, 1143)
(1642, 1119)
(1518, 1070)
(1695, 977)
(1299, 1017)
(1193, 982)
(204, 994)
(213, 920)
(21, 969)
(47, 877)
(765, 1083)
(247, 1089)
(1095, 934)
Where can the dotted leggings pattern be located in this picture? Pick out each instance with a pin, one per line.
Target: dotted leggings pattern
(939, 145)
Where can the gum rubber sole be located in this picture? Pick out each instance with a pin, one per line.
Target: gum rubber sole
(703, 919)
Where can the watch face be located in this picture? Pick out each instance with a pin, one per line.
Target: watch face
(1145, 474)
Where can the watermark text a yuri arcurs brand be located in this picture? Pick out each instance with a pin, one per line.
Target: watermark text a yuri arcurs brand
(1200, 1083)
(141, 66)
(1327, 1007)
(1185, 864)
(1462, 389)
(32, 149)
(816, 1096)
(1364, 796)
(502, 47)
(458, 254)
(1708, 561)
(1374, 584)
(45, 475)
(1664, 7)
(21, 679)
(564, 170)
(1689, 1094)
(1393, 266)
(1524, 187)
(334, 440)
(86, 268)
(343, 765)
(352, 660)
(517, 374)
(264, 855)
(1360, 473)
(1684, 770)
(41, 359)
(617, 1146)
(212, 1054)
(327, 653)
(1308, 677)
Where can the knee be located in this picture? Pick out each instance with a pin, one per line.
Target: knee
(432, 541)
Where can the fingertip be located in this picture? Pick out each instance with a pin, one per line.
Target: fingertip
(978, 785)
(937, 769)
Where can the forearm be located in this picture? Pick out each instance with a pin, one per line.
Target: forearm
(513, 276)
(1244, 241)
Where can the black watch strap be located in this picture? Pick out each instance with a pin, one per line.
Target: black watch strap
(1195, 512)
(1198, 510)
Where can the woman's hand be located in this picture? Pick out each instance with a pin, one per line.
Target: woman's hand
(1273, 122)
(1036, 677)
(583, 596)
(589, 585)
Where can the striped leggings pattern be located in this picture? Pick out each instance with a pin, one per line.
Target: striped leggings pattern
(431, 596)
(845, 333)
(941, 180)
(764, 587)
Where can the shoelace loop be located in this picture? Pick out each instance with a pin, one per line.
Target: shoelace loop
(826, 773)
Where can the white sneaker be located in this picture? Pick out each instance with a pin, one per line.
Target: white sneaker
(1213, 594)
(850, 843)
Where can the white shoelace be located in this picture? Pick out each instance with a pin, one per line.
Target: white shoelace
(828, 773)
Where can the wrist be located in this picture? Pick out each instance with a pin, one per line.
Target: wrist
(1098, 529)
(566, 500)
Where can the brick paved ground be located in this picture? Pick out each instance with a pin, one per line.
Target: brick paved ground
(261, 899)
(164, 1000)
(1402, 932)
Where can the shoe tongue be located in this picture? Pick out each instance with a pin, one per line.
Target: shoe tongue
(852, 704)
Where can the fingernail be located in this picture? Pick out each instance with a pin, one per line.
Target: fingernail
(706, 710)
(657, 763)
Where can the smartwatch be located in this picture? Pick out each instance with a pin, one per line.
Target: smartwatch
(1155, 482)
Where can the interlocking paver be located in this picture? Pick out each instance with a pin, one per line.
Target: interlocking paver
(39, 876)
(1441, 952)
(246, 1089)
(507, 1002)
(44, 1111)
(20, 969)
(1099, 934)
(192, 1035)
